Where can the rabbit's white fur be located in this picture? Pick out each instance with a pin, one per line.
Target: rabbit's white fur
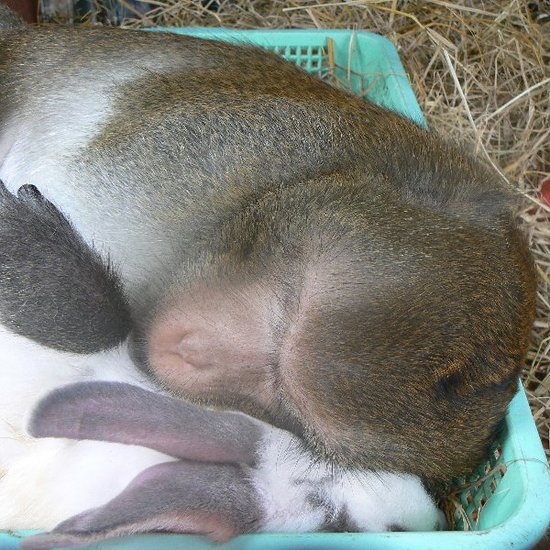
(288, 477)
(46, 481)
(56, 479)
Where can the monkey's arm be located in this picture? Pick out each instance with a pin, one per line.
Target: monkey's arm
(234, 474)
(55, 289)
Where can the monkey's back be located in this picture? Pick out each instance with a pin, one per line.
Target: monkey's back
(162, 132)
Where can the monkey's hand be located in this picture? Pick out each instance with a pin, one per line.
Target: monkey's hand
(232, 474)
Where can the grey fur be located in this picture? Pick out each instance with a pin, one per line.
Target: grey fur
(208, 492)
(55, 289)
(114, 411)
(169, 494)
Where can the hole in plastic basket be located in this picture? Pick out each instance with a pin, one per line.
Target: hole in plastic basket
(465, 498)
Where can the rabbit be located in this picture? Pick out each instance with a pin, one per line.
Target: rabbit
(233, 473)
(32, 488)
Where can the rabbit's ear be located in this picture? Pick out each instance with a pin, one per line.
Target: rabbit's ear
(43, 255)
(216, 500)
(118, 412)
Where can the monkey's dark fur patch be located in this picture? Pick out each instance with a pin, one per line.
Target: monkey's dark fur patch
(55, 289)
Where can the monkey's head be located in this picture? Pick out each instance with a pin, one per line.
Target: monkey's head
(370, 327)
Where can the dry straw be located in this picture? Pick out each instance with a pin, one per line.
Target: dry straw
(481, 72)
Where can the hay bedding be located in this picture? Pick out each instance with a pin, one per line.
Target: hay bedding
(481, 72)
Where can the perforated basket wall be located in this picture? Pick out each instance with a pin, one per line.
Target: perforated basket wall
(466, 498)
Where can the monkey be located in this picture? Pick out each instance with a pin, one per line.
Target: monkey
(289, 251)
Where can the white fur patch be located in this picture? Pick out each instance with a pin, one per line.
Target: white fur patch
(48, 480)
(28, 371)
(376, 501)
(49, 130)
(283, 482)
(301, 494)
(57, 478)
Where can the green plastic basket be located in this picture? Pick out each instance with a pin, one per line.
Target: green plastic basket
(506, 503)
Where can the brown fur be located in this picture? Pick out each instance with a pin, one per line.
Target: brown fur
(403, 333)
(398, 291)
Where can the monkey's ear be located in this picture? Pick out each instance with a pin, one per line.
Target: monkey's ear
(216, 500)
(118, 412)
